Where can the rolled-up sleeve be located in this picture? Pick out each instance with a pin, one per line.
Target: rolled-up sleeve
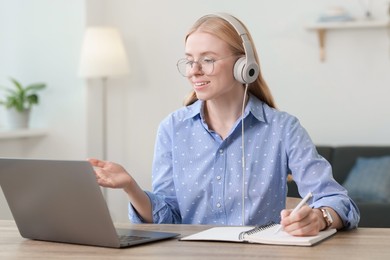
(313, 173)
(161, 210)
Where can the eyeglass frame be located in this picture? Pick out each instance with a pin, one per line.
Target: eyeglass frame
(187, 62)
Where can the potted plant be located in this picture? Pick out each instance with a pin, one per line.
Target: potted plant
(19, 101)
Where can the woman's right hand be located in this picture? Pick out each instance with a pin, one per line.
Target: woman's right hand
(111, 175)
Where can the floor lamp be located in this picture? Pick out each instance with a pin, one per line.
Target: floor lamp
(103, 56)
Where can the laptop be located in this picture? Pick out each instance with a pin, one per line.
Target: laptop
(60, 201)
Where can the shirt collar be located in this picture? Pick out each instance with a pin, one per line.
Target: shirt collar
(254, 106)
(194, 109)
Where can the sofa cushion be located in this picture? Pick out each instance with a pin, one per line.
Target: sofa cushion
(344, 158)
(325, 151)
(369, 180)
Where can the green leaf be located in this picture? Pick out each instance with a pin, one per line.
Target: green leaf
(32, 99)
(35, 87)
(21, 98)
(17, 84)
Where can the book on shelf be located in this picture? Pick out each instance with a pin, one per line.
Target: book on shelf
(266, 234)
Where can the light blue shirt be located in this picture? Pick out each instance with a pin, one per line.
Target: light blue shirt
(197, 176)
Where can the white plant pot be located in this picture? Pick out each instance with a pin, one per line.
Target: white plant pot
(18, 120)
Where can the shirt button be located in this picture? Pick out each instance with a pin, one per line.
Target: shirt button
(220, 151)
(218, 177)
(218, 205)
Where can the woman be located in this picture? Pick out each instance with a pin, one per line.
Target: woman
(223, 158)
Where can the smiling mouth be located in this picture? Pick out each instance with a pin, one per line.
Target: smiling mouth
(201, 84)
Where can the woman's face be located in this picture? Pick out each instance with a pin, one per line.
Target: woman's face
(211, 75)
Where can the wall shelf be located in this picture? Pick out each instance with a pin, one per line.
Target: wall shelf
(322, 27)
(22, 133)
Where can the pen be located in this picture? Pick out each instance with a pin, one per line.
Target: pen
(300, 204)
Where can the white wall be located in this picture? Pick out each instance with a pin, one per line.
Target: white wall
(40, 41)
(341, 101)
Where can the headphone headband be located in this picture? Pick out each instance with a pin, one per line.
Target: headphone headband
(246, 68)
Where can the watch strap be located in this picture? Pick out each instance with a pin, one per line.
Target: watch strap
(327, 217)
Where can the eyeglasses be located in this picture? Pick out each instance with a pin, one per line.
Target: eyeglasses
(206, 65)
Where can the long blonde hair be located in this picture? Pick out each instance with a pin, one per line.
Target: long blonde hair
(222, 29)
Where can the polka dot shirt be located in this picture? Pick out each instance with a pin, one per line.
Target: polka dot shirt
(198, 177)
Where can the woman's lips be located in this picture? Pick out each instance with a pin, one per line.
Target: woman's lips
(200, 85)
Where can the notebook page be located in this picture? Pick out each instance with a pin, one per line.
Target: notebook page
(230, 234)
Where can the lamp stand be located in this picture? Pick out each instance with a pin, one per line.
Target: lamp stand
(104, 126)
(104, 118)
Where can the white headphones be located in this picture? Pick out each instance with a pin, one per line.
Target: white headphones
(246, 68)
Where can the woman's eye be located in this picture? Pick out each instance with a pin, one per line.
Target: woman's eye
(208, 60)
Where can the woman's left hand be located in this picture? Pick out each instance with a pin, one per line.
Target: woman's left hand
(305, 222)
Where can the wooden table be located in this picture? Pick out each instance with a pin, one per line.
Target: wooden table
(363, 243)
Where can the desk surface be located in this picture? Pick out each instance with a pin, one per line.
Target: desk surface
(363, 243)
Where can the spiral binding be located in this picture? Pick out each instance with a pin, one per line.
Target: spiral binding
(256, 229)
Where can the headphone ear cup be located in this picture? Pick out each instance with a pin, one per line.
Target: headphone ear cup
(245, 73)
(251, 72)
(238, 70)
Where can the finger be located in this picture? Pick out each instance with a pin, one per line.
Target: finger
(96, 162)
(303, 223)
(102, 179)
(98, 173)
(285, 213)
(288, 218)
(307, 226)
(299, 229)
(93, 161)
(301, 214)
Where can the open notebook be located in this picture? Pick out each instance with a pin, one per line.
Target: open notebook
(266, 234)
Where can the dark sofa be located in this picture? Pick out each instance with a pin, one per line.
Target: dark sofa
(343, 159)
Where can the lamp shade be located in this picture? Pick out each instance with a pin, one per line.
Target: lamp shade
(103, 54)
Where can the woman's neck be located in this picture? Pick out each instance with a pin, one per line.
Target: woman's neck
(222, 114)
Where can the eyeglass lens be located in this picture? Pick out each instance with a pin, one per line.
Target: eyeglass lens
(186, 67)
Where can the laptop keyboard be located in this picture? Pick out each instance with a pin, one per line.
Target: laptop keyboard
(130, 239)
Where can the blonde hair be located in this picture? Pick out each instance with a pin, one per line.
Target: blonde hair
(222, 29)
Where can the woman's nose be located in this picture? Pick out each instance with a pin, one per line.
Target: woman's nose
(196, 69)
